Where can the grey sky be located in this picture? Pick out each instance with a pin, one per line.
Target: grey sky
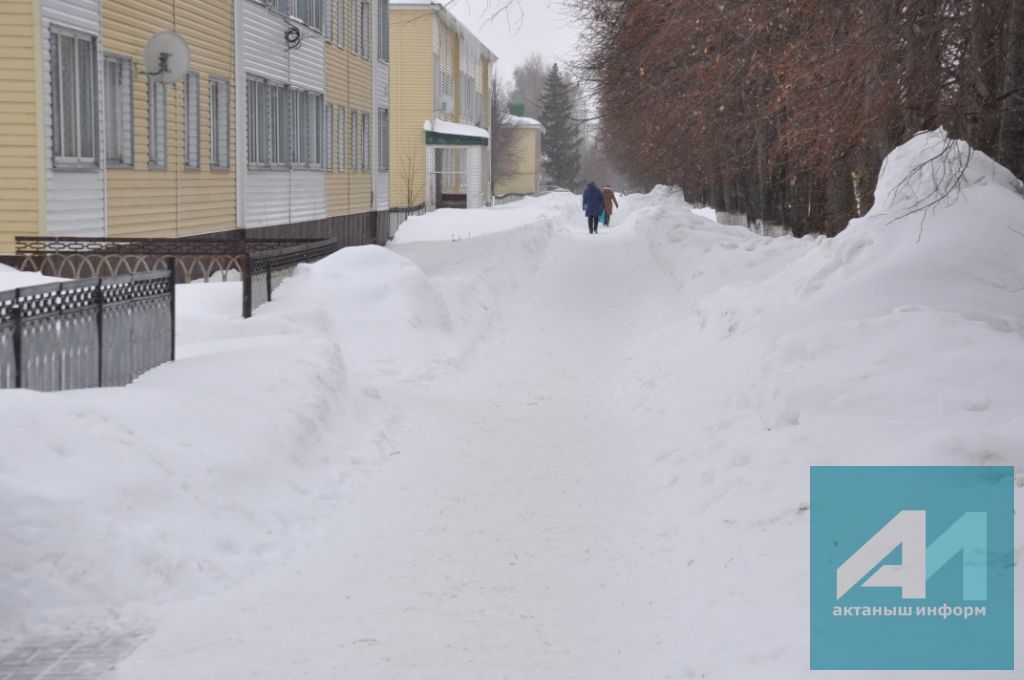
(529, 26)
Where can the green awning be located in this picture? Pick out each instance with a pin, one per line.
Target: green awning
(442, 139)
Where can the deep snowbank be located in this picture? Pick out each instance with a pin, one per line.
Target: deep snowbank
(208, 468)
(898, 342)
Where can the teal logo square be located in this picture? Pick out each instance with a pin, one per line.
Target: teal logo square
(912, 568)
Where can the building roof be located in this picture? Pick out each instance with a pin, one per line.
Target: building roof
(441, 8)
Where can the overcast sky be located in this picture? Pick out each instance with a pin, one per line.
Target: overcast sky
(530, 26)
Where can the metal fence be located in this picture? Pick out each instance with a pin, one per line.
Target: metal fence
(97, 332)
(398, 216)
(260, 263)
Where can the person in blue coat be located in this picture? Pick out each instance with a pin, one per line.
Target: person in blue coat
(593, 205)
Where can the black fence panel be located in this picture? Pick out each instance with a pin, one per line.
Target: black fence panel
(87, 333)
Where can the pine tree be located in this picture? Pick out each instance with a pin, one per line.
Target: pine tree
(562, 133)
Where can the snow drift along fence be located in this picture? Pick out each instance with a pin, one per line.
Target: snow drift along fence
(508, 198)
(261, 264)
(398, 216)
(98, 332)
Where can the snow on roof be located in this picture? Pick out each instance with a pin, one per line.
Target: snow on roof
(445, 128)
(522, 121)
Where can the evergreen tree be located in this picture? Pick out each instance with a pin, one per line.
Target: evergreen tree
(562, 133)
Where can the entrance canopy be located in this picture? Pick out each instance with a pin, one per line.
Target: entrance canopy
(444, 133)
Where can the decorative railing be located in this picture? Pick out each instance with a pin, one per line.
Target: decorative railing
(96, 332)
(260, 263)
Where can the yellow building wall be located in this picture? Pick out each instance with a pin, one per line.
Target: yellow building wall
(526, 177)
(412, 102)
(21, 115)
(349, 85)
(175, 201)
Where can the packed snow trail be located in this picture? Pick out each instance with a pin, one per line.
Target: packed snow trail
(506, 536)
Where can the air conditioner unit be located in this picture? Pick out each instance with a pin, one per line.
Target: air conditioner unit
(446, 104)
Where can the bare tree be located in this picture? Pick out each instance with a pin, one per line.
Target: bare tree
(505, 143)
(410, 172)
(528, 84)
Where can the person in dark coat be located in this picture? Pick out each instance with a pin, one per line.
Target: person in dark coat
(593, 206)
(610, 202)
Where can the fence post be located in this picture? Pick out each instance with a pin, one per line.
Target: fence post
(17, 339)
(99, 329)
(246, 286)
(171, 264)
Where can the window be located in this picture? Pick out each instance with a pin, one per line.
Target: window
(310, 12)
(256, 96)
(279, 124)
(74, 91)
(383, 31)
(192, 121)
(364, 29)
(383, 138)
(117, 89)
(365, 165)
(354, 147)
(300, 128)
(315, 121)
(278, 5)
(329, 133)
(341, 23)
(341, 139)
(157, 125)
(220, 135)
(355, 22)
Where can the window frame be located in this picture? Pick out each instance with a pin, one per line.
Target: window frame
(279, 132)
(157, 124)
(193, 131)
(223, 84)
(383, 32)
(354, 134)
(256, 90)
(364, 28)
(342, 142)
(367, 151)
(328, 136)
(78, 161)
(383, 139)
(124, 111)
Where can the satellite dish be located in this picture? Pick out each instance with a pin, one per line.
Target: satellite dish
(166, 57)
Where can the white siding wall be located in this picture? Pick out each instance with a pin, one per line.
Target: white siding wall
(278, 196)
(474, 181)
(75, 204)
(308, 198)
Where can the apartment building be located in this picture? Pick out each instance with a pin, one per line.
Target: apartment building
(440, 109)
(280, 124)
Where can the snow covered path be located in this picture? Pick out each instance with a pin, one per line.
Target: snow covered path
(531, 454)
(506, 536)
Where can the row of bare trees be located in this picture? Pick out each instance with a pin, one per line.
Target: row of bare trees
(784, 109)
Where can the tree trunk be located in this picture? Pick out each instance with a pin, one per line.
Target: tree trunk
(1010, 151)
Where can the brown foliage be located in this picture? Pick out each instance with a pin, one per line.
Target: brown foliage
(784, 109)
